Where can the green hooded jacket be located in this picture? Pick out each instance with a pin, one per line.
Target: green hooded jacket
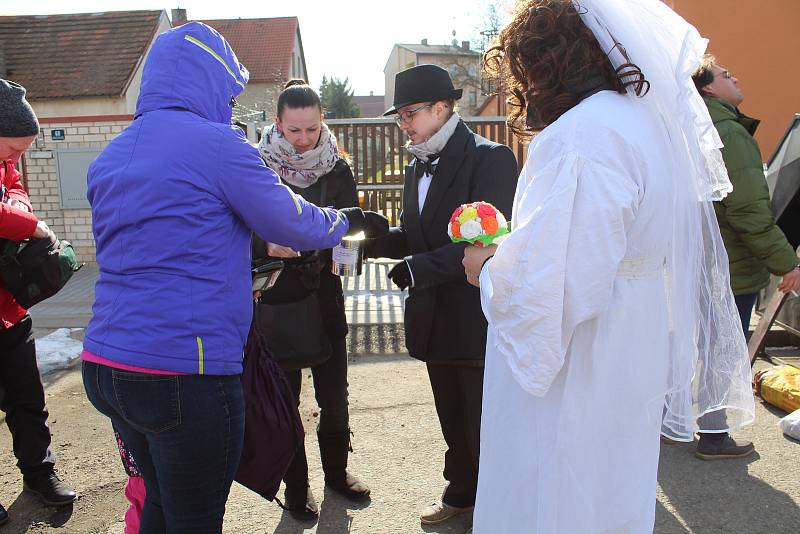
(755, 245)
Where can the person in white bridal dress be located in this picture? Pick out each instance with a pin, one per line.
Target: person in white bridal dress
(609, 309)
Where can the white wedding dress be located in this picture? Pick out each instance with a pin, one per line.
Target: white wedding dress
(579, 329)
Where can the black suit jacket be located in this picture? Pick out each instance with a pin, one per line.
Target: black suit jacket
(443, 317)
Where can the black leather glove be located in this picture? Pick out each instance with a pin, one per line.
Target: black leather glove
(400, 275)
(373, 224)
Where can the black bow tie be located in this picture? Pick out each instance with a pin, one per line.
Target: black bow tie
(423, 167)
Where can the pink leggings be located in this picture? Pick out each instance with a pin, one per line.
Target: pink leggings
(135, 493)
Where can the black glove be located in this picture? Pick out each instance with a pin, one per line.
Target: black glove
(400, 275)
(373, 224)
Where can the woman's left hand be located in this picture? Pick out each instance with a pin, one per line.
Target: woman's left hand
(474, 258)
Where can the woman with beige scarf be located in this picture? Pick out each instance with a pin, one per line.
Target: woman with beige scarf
(303, 152)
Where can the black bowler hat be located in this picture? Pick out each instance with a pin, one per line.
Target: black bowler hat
(423, 83)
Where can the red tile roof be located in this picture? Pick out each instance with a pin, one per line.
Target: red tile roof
(80, 55)
(263, 45)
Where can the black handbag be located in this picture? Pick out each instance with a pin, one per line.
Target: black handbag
(36, 269)
(295, 333)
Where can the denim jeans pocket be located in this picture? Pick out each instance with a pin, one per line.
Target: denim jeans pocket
(150, 403)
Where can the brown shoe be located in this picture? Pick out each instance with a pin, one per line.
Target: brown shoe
(668, 441)
(722, 448)
(300, 503)
(440, 511)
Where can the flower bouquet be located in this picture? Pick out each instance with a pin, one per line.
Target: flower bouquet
(477, 223)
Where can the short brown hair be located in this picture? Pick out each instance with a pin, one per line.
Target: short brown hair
(704, 74)
(547, 57)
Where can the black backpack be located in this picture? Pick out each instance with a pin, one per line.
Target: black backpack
(36, 269)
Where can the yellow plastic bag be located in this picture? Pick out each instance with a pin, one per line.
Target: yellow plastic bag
(779, 386)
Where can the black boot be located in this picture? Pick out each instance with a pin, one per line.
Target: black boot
(3, 515)
(298, 496)
(333, 449)
(50, 489)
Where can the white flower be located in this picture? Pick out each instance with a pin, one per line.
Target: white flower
(471, 229)
(501, 220)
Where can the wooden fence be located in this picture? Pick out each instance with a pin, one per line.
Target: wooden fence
(379, 159)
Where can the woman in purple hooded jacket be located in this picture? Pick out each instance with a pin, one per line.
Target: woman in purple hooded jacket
(174, 200)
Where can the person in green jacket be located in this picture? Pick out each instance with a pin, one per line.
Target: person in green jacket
(756, 246)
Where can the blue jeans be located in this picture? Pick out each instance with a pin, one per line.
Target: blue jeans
(185, 434)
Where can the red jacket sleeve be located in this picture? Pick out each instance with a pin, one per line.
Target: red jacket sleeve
(15, 224)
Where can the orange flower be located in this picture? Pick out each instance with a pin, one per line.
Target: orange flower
(490, 225)
(456, 229)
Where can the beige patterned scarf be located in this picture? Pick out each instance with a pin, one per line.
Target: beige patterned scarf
(300, 170)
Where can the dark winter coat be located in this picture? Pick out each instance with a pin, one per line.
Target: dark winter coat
(297, 281)
(756, 246)
(443, 317)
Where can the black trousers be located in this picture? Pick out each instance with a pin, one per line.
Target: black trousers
(457, 394)
(330, 389)
(23, 401)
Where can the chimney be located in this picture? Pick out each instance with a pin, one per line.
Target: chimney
(465, 45)
(425, 42)
(178, 17)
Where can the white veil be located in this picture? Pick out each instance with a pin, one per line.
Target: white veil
(709, 382)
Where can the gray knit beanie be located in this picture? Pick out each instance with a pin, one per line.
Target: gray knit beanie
(17, 118)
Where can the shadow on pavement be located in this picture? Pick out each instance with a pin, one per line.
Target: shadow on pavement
(720, 497)
(666, 523)
(333, 515)
(780, 414)
(27, 510)
(290, 525)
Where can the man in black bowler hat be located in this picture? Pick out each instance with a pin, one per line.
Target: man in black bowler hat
(444, 324)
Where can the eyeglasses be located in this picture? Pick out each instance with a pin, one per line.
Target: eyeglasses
(408, 115)
(725, 74)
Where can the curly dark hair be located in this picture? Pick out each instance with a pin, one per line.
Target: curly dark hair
(549, 60)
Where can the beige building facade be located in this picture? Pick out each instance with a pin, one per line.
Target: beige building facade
(463, 64)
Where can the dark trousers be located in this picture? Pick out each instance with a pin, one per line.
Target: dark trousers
(22, 399)
(744, 304)
(457, 394)
(330, 390)
(185, 433)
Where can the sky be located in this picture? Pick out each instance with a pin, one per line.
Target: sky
(341, 38)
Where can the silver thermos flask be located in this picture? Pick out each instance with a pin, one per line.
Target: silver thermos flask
(347, 256)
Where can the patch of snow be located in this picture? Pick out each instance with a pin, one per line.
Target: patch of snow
(57, 349)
